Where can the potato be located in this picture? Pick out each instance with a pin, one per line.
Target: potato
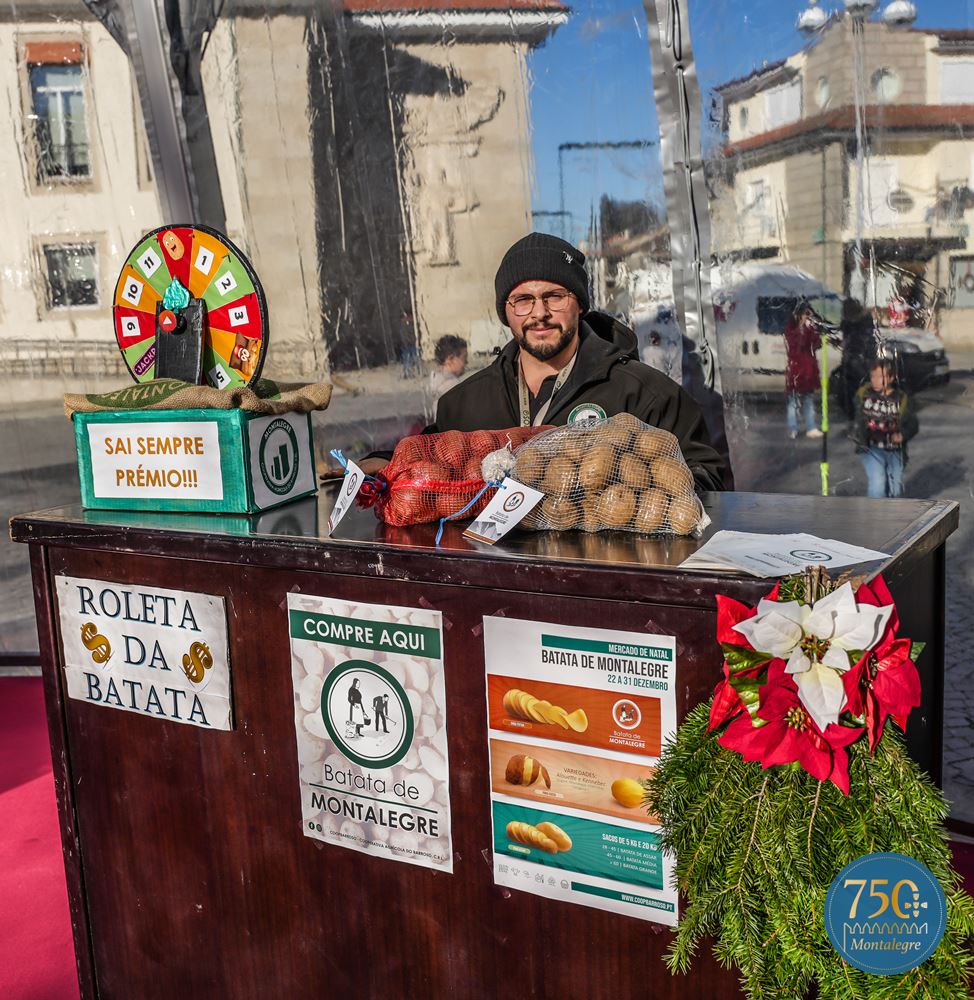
(529, 467)
(628, 792)
(616, 506)
(672, 475)
(560, 513)
(561, 477)
(557, 834)
(589, 505)
(634, 472)
(684, 515)
(596, 467)
(650, 513)
(655, 443)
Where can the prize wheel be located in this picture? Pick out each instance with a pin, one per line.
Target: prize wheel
(210, 269)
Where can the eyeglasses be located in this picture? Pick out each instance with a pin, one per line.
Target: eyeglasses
(523, 305)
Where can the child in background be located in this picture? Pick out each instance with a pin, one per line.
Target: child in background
(450, 355)
(883, 422)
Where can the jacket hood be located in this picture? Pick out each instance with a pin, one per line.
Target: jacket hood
(620, 338)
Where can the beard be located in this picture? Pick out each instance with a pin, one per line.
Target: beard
(548, 350)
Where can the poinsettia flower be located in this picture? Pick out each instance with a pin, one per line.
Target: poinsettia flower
(885, 682)
(790, 735)
(729, 614)
(877, 594)
(815, 640)
(725, 705)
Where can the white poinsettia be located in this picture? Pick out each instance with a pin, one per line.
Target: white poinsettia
(815, 640)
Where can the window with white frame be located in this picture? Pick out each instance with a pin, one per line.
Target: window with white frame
(57, 99)
(759, 208)
(957, 81)
(783, 104)
(72, 275)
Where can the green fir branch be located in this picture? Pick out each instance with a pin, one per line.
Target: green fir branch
(756, 850)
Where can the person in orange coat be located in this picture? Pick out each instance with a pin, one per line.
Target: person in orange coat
(802, 381)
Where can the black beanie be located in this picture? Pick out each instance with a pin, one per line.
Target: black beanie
(540, 257)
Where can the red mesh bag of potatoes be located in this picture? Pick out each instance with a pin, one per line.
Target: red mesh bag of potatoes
(436, 475)
(617, 473)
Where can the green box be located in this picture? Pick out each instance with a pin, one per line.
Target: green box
(218, 461)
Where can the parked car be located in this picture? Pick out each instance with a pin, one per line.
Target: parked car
(753, 303)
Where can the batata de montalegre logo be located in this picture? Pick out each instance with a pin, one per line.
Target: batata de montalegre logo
(885, 913)
(367, 714)
(279, 457)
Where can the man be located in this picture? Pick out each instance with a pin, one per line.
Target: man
(380, 709)
(567, 363)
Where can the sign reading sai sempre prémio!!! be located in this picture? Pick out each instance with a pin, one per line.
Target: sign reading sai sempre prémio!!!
(165, 460)
(161, 653)
(370, 720)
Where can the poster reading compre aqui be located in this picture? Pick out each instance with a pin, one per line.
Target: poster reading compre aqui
(370, 719)
(577, 718)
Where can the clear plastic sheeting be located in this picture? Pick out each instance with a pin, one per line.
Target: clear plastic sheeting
(374, 159)
(839, 150)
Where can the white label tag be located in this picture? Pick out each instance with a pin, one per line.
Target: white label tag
(132, 292)
(149, 262)
(511, 503)
(204, 260)
(351, 484)
(130, 326)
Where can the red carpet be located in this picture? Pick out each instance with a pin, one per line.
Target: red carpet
(36, 947)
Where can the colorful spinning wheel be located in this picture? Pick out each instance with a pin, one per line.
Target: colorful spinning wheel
(176, 266)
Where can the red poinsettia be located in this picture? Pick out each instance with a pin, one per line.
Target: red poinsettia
(794, 671)
(727, 700)
(885, 682)
(789, 734)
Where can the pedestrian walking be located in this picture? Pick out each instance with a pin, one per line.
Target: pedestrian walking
(802, 381)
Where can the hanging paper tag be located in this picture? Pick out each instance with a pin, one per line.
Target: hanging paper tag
(351, 484)
(510, 504)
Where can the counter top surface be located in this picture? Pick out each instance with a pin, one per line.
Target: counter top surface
(296, 535)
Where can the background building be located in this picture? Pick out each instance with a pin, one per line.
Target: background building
(786, 175)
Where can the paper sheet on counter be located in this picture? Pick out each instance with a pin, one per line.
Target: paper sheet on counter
(775, 555)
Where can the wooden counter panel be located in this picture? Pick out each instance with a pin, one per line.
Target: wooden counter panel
(206, 887)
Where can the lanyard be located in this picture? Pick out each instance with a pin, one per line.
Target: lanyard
(522, 391)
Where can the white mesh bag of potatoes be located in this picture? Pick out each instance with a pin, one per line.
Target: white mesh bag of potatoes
(617, 473)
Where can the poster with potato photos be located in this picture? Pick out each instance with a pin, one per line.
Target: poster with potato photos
(577, 718)
(370, 720)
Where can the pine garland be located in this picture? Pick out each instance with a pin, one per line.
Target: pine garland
(757, 849)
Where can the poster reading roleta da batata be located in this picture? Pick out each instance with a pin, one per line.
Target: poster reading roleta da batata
(577, 718)
(370, 719)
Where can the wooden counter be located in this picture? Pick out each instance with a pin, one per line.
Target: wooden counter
(188, 874)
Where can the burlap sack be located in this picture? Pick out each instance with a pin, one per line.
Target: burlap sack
(263, 396)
